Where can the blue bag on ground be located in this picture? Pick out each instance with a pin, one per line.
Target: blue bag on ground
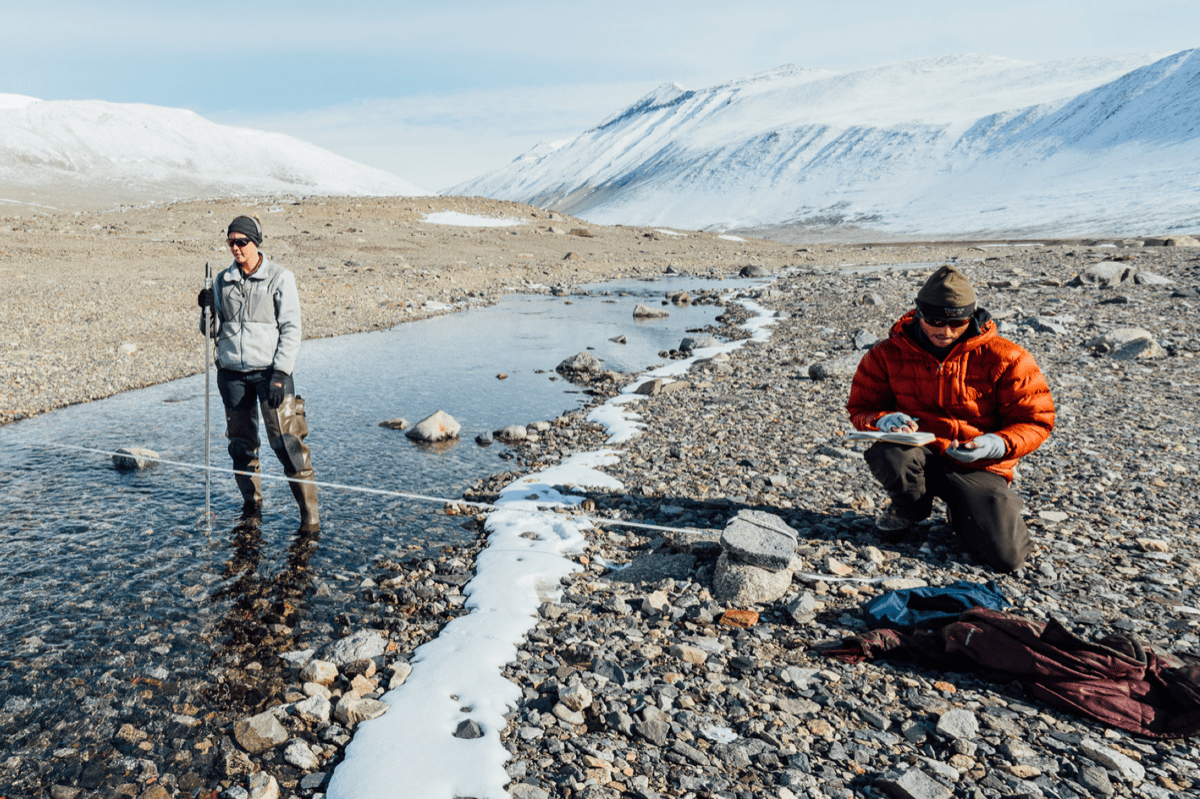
(931, 606)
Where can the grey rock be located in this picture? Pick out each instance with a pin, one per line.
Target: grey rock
(352, 710)
(356, 646)
(1139, 349)
(523, 790)
(760, 539)
(395, 424)
(655, 732)
(865, 339)
(257, 734)
(314, 710)
(1047, 324)
(133, 458)
(842, 367)
(690, 343)
(1129, 769)
(645, 312)
(913, 784)
(511, 434)
(802, 608)
(755, 271)
(738, 584)
(580, 363)
(1143, 278)
(1105, 273)
(484, 439)
(438, 426)
(262, 785)
(301, 756)
(576, 697)
(958, 724)
(468, 728)
(1095, 779)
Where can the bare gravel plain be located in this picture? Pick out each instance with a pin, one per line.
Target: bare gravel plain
(99, 302)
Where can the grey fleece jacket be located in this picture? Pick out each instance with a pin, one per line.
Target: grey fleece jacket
(257, 318)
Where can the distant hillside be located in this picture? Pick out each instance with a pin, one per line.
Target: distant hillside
(81, 153)
(951, 146)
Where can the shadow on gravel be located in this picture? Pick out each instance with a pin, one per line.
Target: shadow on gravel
(931, 543)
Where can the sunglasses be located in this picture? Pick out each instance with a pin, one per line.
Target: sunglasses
(237, 242)
(951, 323)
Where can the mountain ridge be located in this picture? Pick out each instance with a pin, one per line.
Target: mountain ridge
(879, 147)
(97, 152)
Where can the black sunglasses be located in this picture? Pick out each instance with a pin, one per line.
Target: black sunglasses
(237, 242)
(946, 322)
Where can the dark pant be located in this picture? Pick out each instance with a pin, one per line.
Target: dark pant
(984, 511)
(244, 395)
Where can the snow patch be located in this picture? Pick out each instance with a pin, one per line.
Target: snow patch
(459, 219)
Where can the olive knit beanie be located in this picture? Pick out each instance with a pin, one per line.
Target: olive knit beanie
(947, 294)
(248, 226)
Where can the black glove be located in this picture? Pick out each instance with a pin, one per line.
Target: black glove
(205, 298)
(277, 389)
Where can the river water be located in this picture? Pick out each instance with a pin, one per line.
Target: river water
(106, 569)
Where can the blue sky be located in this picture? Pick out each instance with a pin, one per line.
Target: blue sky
(439, 92)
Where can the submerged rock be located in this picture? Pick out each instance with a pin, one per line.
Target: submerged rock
(134, 458)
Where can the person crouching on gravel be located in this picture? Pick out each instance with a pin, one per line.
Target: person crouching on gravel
(944, 370)
(256, 324)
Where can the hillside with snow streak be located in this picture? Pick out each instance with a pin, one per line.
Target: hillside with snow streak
(93, 152)
(949, 146)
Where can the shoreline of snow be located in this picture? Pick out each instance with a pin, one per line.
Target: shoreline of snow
(459, 675)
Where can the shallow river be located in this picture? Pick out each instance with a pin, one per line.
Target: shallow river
(98, 562)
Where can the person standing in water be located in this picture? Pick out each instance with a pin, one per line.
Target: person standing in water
(256, 324)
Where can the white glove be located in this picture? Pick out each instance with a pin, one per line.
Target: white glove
(889, 422)
(987, 446)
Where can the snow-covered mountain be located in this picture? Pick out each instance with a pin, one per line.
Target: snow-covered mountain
(56, 151)
(957, 145)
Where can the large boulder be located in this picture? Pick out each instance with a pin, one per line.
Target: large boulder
(760, 539)
(740, 584)
(1105, 273)
(439, 426)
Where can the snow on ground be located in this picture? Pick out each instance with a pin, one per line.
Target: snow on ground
(410, 752)
(460, 219)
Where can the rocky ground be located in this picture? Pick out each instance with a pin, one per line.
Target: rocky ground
(635, 687)
(636, 683)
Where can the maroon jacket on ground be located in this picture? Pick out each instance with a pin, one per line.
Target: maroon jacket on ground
(1118, 681)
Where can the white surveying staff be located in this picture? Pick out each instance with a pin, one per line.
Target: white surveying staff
(208, 284)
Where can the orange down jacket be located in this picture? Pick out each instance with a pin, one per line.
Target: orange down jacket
(986, 384)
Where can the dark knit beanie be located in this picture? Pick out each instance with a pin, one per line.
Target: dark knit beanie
(947, 294)
(248, 226)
